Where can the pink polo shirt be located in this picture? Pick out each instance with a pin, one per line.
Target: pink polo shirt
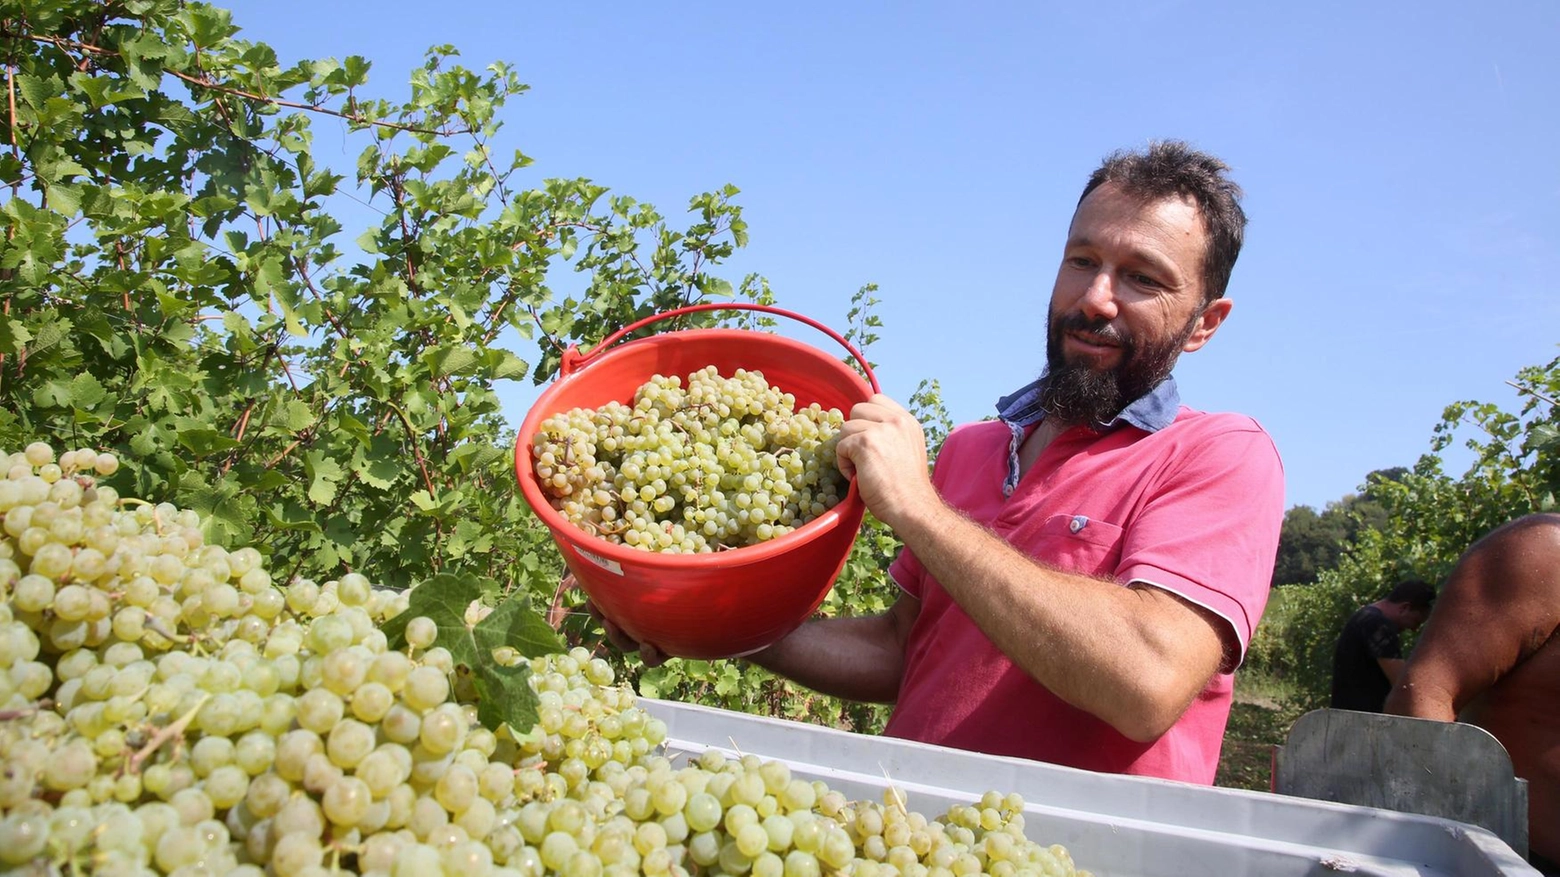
(1193, 508)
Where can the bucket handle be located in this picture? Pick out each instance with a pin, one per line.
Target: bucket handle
(573, 360)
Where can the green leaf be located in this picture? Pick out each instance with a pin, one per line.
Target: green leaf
(451, 360)
(509, 367)
(378, 472)
(505, 696)
(324, 475)
(515, 623)
(13, 336)
(476, 456)
(65, 198)
(442, 599)
(294, 415)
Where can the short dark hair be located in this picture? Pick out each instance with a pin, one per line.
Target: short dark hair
(1417, 594)
(1172, 169)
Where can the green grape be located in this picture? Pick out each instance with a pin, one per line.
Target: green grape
(319, 710)
(703, 812)
(23, 836)
(349, 742)
(443, 729)
(346, 801)
(421, 632)
(557, 848)
(426, 688)
(284, 723)
(456, 790)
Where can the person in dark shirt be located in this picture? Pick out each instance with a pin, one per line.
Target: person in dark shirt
(1369, 655)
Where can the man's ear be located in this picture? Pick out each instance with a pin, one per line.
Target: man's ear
(1208, 322)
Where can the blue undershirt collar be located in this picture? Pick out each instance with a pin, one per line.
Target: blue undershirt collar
(1150, 412)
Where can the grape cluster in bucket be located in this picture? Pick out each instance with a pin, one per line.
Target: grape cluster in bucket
(721, 462)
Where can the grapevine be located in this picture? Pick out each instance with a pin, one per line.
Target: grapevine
(167, 708)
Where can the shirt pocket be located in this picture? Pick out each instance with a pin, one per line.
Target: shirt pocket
(1077, 543)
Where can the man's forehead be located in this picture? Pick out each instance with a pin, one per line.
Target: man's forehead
(1139, 201)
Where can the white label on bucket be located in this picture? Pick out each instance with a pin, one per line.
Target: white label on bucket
(607, 564)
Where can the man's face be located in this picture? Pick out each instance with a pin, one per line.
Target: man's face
(1128, 300)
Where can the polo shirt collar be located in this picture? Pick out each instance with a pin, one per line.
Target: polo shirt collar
(1150, 412)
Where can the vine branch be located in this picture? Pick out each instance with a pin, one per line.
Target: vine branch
(1532, 392)
(203, 82)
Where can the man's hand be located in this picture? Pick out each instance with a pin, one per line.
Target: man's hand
(883, 448)
(652, 656)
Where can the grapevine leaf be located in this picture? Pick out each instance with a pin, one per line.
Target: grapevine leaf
(505, 696)
(324, 473)
(443, 599)
(474, 456)
(378, 473)
(12, 336)
(294, 415)
(450, 360)
(510, 367)
(515, 623)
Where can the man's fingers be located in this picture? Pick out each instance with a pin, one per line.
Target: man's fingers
(652, 656)
(878, 408)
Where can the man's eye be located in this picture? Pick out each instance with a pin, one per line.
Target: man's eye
(1145, 280)
(1080, 261)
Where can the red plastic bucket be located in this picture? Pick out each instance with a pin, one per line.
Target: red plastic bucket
(725, 603)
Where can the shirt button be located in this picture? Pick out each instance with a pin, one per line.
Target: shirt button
(1078, 523)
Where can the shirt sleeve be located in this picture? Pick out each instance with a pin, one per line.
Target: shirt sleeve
(1381, 639)
(1209, 531)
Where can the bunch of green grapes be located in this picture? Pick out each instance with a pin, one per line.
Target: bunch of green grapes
(722, 462)
(166, 708)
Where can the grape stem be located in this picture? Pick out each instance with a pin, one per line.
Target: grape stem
(24, 712)
(166, 733)
(154, 624)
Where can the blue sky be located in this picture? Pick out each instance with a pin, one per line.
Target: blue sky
(1401, 163)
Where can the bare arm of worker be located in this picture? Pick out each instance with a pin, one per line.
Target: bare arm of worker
(1135, 657)
(1500, 604)
(854, 658)
(1392, 667)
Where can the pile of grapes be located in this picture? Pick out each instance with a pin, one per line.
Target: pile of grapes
(167, 708)
(721, 463)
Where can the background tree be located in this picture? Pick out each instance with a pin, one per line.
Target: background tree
(1310, 542)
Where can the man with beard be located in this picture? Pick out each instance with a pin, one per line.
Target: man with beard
(1080, 577)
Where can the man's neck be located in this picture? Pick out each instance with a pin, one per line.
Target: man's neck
(1044, 433)
(1390, 610)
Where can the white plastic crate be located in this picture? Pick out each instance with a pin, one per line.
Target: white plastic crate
(1114, 826)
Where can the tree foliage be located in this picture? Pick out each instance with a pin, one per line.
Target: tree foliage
(1312, 541)
(177, 286)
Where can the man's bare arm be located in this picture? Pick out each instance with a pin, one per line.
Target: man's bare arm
(854, 658)
(1501, 602)
(1392, 667)
(1135, 657)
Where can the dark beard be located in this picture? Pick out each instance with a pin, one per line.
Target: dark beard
(1079, 395)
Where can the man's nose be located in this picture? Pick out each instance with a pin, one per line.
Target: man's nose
(1099, 300)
